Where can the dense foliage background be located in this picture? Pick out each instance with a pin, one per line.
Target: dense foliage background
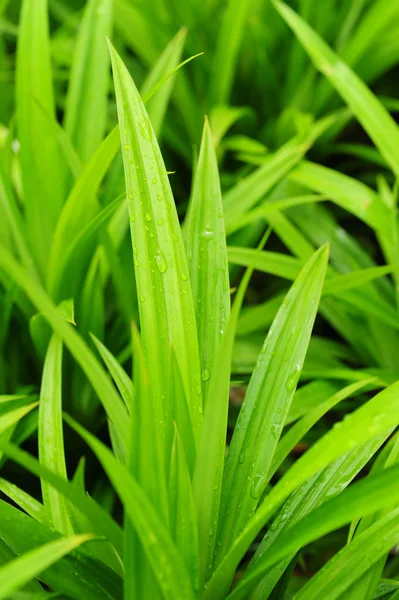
(300, 112)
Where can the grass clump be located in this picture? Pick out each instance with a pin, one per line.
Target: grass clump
(157, 399)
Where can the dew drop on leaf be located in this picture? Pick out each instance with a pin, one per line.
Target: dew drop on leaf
(292, 380)
(207, 233)
(145, 130)
(205, 374)
(257, 486)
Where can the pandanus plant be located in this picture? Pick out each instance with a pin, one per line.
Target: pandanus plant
(192, 508)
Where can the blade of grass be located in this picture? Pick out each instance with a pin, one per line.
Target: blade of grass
(22, 499)
(183, 524)
(89, 80)
(167, 62)
(208, 474)
(332, 515)
(51, 437)
(117, 372)
(371, 420)
(267, 401)
(353, 560)
(68, 276)
(166, 304)
(107, 394)
(350, 194)
(251, 189)
(21, 570)
(161, 552)
(372, 115)
(76, 575)
(81, 205)
(327, 483)
(101, 521)
(297, 432)
(227, 49)
(42, 170)
(13, 216)
(207, 257)
(146, 463)
(13, 416)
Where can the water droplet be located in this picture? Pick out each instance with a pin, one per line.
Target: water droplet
(257, 486)
(207, 233)
(200, 410)
(145, 130)
(126, 146)
(159, 198)
(241, 460)
(142, 298)
(293, 379)
(136, 263)
(184, 277)
(132, 218)
(198, 388)
(147, 217)
(160, 261)
(205, 374)
(154, 180)
(274, 430)
(135, 251)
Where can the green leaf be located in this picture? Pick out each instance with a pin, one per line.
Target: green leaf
(347, 192)
(75, 575)
(29, 504)
(297, 432)
(332, 515)
(253, 188)
(51, 437)
(166, 305)
(275, 263)
(227, 49)
(42, 171)
(68, 276)
(341, 283)
(13, 216)
(369, 421)
(107, 394)
(146, 462)
(207, 257)
(161, 552)
(19, 571)
(327, 483)
(167, 62)
(354, 559)
(208, 474)
(183, 524)
(118, 374)
(81, 205)
(13, 416)
(267, 401)
(372, 115)
(89, 80)
(102, 523)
